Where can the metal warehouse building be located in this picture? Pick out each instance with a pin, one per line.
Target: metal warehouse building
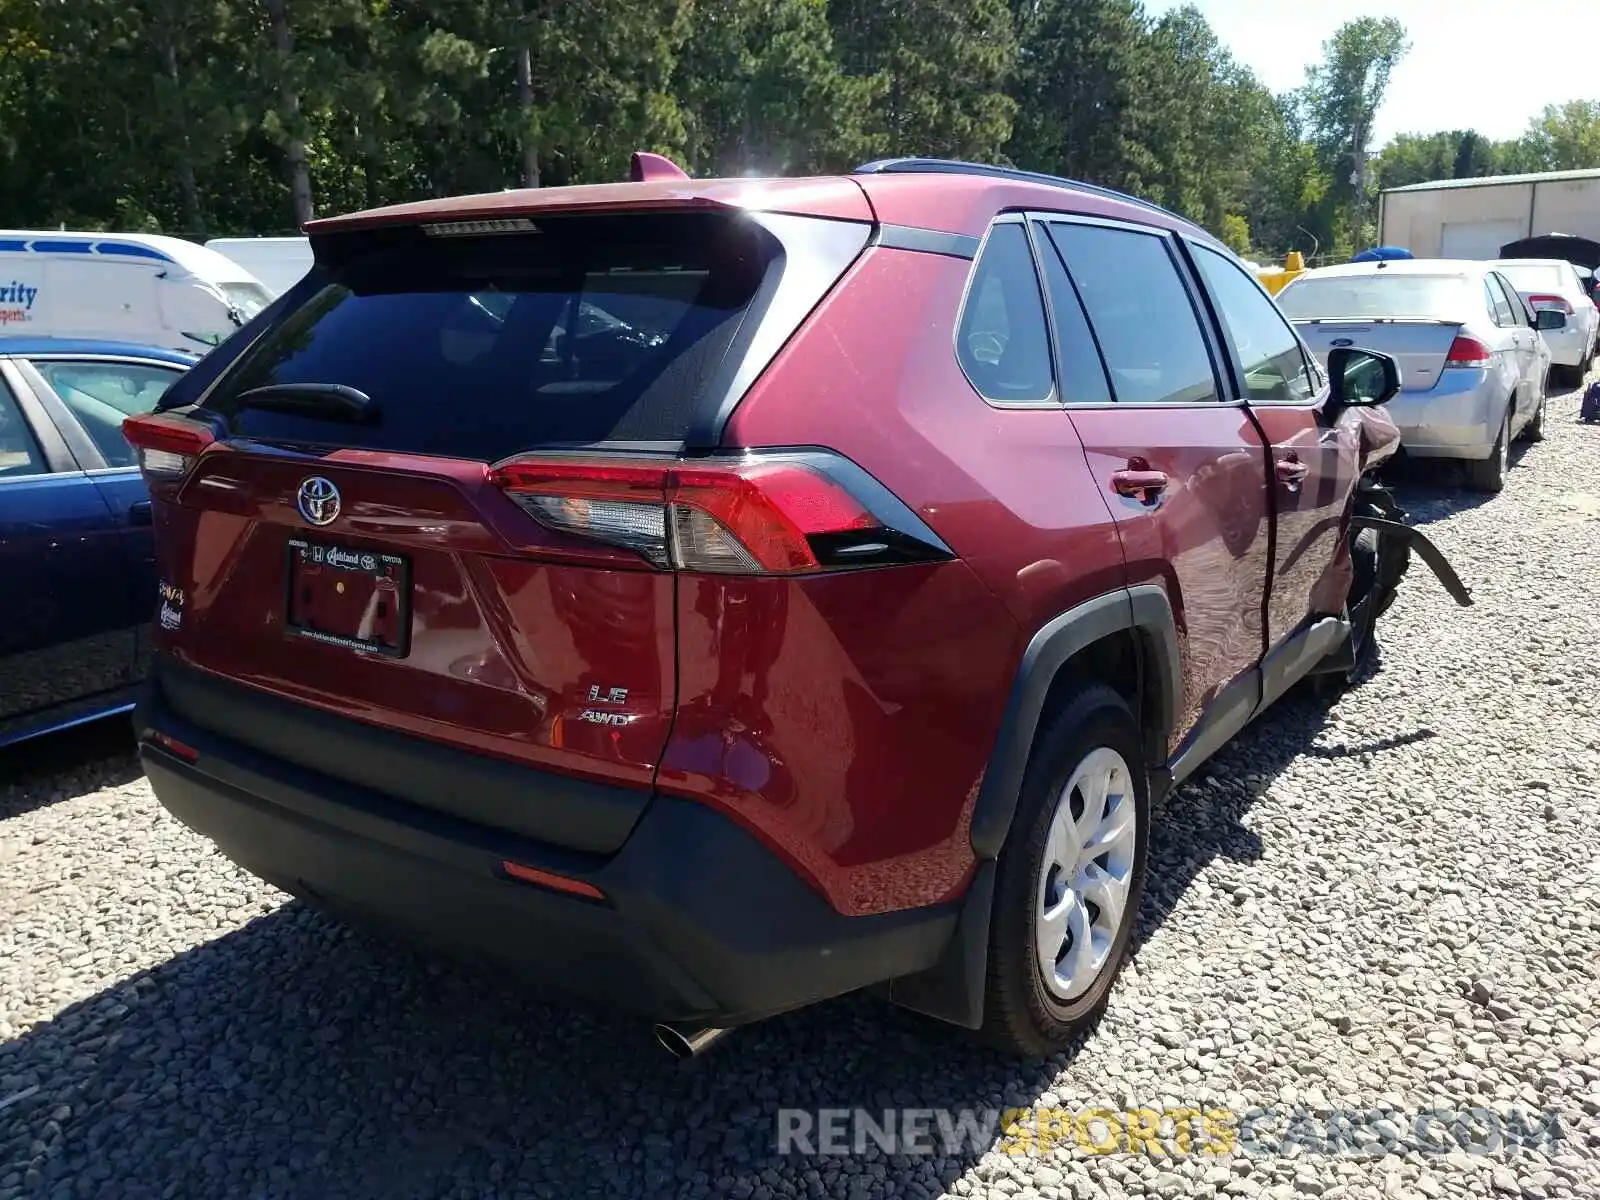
(1473, 218)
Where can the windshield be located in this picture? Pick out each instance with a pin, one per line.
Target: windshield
(1375, 295)
(248, 298)
(1534, 278)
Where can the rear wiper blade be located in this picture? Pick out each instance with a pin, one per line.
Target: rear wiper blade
(324, 401)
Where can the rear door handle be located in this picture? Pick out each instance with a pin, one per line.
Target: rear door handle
(139, 513)
(1139, 484)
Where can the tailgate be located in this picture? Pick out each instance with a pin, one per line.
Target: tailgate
(1419, 345)
(344, 547)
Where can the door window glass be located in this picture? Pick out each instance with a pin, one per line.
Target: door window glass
(19, 450)
(1083, 375)
(1140, 312)
(1274, 364)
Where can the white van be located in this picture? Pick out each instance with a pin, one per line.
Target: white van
(125, 287)
(278, 262)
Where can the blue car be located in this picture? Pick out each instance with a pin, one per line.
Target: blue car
(77, 571)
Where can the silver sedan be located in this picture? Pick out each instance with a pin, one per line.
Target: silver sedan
(1473, 359)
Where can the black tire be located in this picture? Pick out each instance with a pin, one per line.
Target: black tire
(1021, 1015)
(1489, 474)
(1533, 431)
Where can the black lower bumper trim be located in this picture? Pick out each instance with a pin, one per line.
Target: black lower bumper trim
(701, 922)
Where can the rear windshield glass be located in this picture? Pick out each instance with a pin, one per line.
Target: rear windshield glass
(589, 329)
(1534, 278)
(1375, 296)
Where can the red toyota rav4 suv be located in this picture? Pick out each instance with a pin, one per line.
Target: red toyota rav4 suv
(714, 596)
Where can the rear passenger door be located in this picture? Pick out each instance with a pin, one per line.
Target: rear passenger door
(1509, 315)
(1182, 467)
(1313, 460)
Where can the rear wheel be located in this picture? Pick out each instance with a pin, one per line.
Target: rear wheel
(1489, 474)
(1070, 877)
(1533, 431)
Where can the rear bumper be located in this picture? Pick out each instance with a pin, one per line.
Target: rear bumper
(1457, 418)
(700, 922)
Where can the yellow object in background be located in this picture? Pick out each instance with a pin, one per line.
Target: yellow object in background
(1276, 281)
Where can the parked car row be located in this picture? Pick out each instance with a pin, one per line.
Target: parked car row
(1477, 344)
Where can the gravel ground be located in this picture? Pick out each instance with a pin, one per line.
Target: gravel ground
(1391, 905)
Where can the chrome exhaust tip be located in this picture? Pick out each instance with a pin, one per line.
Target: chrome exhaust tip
(687, 1043)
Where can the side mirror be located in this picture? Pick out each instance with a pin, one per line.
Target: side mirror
(1361, 378)
(1549, 319)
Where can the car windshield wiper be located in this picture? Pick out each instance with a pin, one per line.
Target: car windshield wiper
(323, 401)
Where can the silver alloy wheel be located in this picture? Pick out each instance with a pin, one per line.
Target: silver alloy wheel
(1086, 873)
(1504, 448)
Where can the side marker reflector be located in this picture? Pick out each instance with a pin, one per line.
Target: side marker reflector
(559, 883)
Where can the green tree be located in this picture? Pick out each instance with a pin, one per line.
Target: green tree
(1341, 100)
(1564, 137)
(1078, 84)
(1417, 158)
(939, 68)
(1209, 122)
(762, 90)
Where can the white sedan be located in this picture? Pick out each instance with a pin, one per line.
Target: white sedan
(1553, 283)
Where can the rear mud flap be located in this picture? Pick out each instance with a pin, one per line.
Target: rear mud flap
(1426, 550)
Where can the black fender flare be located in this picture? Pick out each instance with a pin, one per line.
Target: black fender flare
(1144, 611)
(953, 989)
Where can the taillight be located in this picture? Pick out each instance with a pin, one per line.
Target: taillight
(1544, 301)
(754, 515)
(167, 445)
(1468, 352)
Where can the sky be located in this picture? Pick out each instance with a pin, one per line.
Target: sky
(1489, 65)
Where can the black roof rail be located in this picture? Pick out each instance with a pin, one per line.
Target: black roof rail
(951, 166)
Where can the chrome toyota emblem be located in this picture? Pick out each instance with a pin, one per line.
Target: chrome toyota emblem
(318, 501)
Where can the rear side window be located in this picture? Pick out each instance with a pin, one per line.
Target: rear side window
(1275, 370)
(1141, 314)
(1499, 307)
(590, 329)
(1003, 342)
(101, 395)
